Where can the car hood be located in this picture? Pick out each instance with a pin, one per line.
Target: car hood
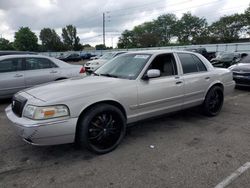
(75, 87)
(245, 67)
(97, 61)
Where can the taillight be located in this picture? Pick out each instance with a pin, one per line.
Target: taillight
(82, 70)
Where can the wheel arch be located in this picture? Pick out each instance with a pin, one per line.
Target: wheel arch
(215, 84)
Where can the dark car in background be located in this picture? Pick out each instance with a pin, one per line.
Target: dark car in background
(225, 59)
(87, 55)
(70, 57)
(202, 51)
(241, 72)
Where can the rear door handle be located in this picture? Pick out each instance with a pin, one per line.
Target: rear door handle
(18, 75)
(53, 71)
(207, 78)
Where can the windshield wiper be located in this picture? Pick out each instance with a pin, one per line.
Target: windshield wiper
(109, 75)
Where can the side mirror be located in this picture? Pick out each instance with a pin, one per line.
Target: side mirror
(152, 73)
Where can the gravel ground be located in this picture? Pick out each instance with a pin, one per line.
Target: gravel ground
(185, 149)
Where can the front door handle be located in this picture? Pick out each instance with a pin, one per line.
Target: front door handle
(53, 71)
(207, 78)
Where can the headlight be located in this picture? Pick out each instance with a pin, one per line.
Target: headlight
(46, 112)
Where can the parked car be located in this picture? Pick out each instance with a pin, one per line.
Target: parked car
(94, 111)
(225, 59)
(10, 52)
(202, 51)
(18, 72)
(93, 65)
(241, 72)
(71, 57)
(95, 57)
(87, 55)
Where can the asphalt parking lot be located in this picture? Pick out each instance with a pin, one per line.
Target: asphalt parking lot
(185, 149)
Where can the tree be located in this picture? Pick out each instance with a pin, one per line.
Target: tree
(190, 27)
(25, 40)
(165, 25)
(246, 18)
(100, 47)
(126, 40)
(5, 44)
(227, 28)
(70, 38)
(50, 40)
(148, 40)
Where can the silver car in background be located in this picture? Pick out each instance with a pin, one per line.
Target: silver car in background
(93, 65)
(132, 87)
(18, 72)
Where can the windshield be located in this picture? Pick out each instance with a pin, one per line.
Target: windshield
(126, 66)
(245, 59)
(107, 56)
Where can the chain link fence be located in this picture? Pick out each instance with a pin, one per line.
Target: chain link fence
(228, 47)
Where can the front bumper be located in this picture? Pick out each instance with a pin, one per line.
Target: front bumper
(46, 132)
(242, 80)
(91, 68)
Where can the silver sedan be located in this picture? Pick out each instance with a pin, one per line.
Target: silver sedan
(18, 72)
(94, 111)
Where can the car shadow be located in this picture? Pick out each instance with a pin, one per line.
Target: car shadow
(5, 101)
(30, 157)
(242, 88)
(166, 122)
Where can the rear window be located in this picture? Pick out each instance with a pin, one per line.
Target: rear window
(10, 65)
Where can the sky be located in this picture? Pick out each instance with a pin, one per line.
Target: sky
(87, 16)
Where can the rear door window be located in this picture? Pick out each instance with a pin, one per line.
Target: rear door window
(191, 63)
(11, 65)
(39, 63)
(199, 63)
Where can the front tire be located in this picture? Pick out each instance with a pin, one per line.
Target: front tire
(213, 101)
(101, 129)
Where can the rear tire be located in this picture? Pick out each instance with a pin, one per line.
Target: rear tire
(213, 101)
(101, 129)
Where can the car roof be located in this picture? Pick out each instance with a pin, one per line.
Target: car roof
(12, 52)
(156, 52)
(22, 56)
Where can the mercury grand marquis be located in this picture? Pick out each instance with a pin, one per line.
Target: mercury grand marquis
(95, 110)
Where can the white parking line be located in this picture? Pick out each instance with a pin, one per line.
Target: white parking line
(233, 176)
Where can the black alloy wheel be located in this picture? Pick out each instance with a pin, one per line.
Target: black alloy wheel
(102, 128)
(213, 101)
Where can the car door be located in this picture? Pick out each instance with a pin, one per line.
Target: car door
(162, 94)
(39, 70)
(196, 78)
(11, 76)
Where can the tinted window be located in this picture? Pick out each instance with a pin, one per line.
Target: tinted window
(10, 65)
(199, 63)
(188, 63)
(39, 63)
(166, 64)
